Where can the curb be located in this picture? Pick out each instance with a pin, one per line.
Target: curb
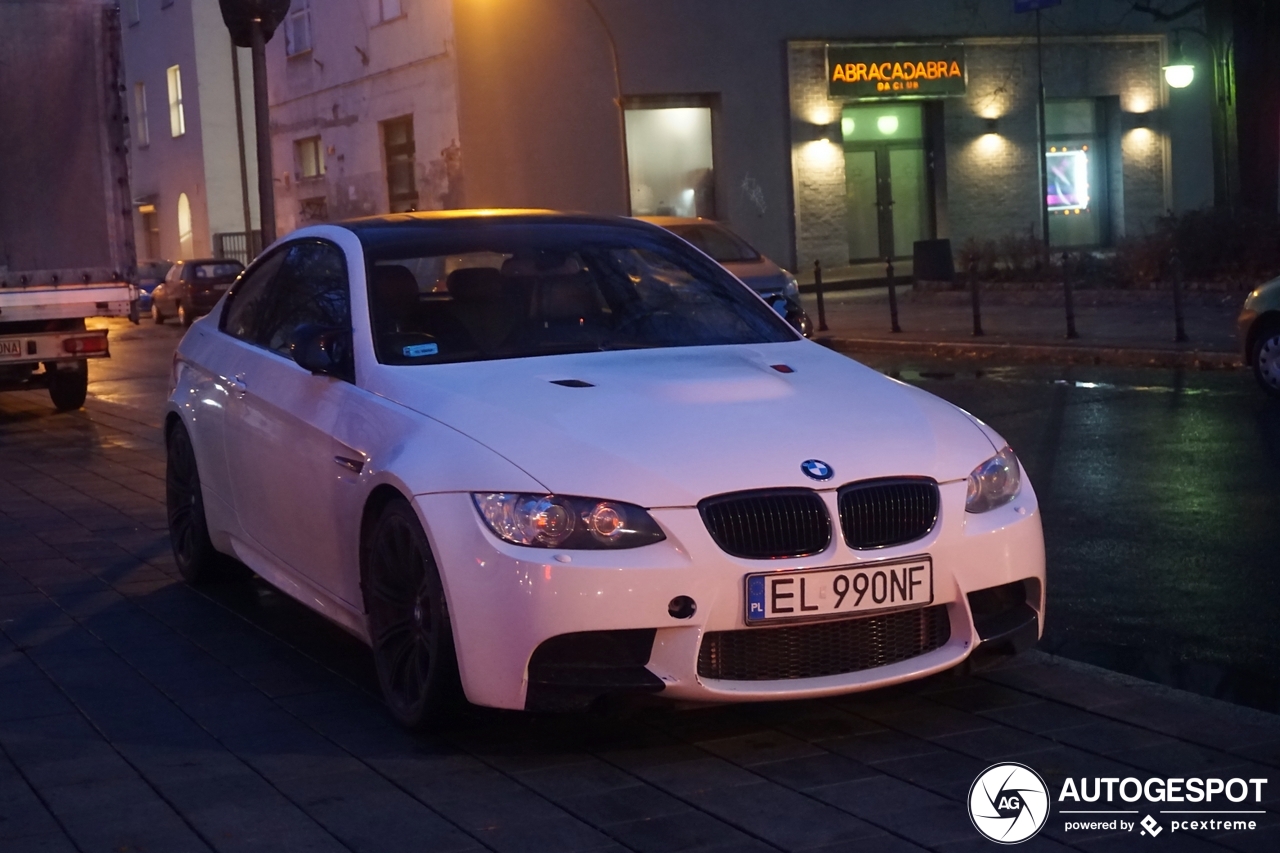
(1039, 353)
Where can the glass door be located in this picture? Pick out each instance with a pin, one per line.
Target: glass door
(908, 199)
(862, 198)
(886, 181)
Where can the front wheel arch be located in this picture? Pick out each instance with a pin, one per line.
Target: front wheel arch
(1265, 324)
(410, 630)
(373, 507)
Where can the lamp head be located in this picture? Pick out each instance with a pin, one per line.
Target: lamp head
(1179, 72)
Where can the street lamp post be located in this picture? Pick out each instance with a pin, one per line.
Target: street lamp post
(622, 119)
(262, 121)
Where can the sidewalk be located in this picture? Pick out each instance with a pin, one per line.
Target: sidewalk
(1115, 327)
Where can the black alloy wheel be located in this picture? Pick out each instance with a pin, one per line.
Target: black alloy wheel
(197, 559)
(1266, 358)
(409, 626)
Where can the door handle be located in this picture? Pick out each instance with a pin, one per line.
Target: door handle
(237, 385)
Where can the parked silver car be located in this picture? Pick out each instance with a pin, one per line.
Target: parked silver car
(774, 284)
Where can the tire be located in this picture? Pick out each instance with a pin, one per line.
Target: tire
(185, 317)
(409, 628)
(155, 313)
(1266, 359)
(68, 388)
(198, 561)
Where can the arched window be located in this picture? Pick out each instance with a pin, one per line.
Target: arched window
(186, 240)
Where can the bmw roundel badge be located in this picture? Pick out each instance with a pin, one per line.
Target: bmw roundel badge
(815, 469)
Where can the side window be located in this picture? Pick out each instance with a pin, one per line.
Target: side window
(174, 272)
(311, 288)
(240, 318)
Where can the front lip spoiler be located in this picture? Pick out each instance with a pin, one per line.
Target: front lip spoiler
(1014, 630)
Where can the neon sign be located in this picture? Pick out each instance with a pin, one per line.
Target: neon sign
(877, 72)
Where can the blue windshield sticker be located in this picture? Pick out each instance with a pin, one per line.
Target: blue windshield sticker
(420, 350)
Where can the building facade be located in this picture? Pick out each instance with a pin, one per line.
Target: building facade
(363, 110)
(185, 174)
(832, 131)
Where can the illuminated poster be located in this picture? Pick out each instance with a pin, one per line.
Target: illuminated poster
(1068, 179)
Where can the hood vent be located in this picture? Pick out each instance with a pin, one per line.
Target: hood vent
(572, 383)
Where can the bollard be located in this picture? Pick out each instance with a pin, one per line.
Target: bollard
(893, 297)
(822, 308)
(1066, 293)
(1175, 267)
(973, 294)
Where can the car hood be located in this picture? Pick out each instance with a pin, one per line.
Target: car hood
(668, 427)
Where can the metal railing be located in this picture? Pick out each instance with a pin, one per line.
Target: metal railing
(233, 245)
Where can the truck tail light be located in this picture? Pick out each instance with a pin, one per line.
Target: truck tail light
(88, 345)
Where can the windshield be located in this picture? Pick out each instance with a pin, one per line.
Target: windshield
(518, 291)
(721, 244)
(216, 273)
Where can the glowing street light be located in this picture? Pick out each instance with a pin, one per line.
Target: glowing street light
(1179, 72)
(1179, 76)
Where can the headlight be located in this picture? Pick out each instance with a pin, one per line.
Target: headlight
(556, 521)
(792, 288)
(993, 483)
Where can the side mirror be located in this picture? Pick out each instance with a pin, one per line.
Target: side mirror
(324, 352)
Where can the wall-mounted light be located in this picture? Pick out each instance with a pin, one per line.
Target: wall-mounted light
(1179, 72)
(992, 125)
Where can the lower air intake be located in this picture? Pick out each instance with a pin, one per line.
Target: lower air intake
(823, 648)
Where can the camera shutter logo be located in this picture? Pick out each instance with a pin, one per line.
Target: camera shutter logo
(1009, 803)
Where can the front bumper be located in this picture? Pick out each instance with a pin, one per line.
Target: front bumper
(505, 601)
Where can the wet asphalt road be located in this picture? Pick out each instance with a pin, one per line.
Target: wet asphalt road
(1160, 493)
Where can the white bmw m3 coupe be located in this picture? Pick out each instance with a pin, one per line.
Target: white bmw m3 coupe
(534, 459)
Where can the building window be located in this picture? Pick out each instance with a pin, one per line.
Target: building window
(385, 10)
(311, 210)
(1075, 157)
(186, 236)
(669, 161)
(397, 143)
(297, 28)
(141, 128)
(131, 13)
(177, 118)
(309, 156)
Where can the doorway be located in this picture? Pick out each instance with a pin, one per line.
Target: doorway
(887, 189)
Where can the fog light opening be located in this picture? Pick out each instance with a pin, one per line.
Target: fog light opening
(682, 607)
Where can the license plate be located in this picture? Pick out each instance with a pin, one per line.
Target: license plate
(11, 348)
(830, 593)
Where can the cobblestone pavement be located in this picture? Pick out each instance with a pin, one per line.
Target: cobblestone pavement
(138, 714)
